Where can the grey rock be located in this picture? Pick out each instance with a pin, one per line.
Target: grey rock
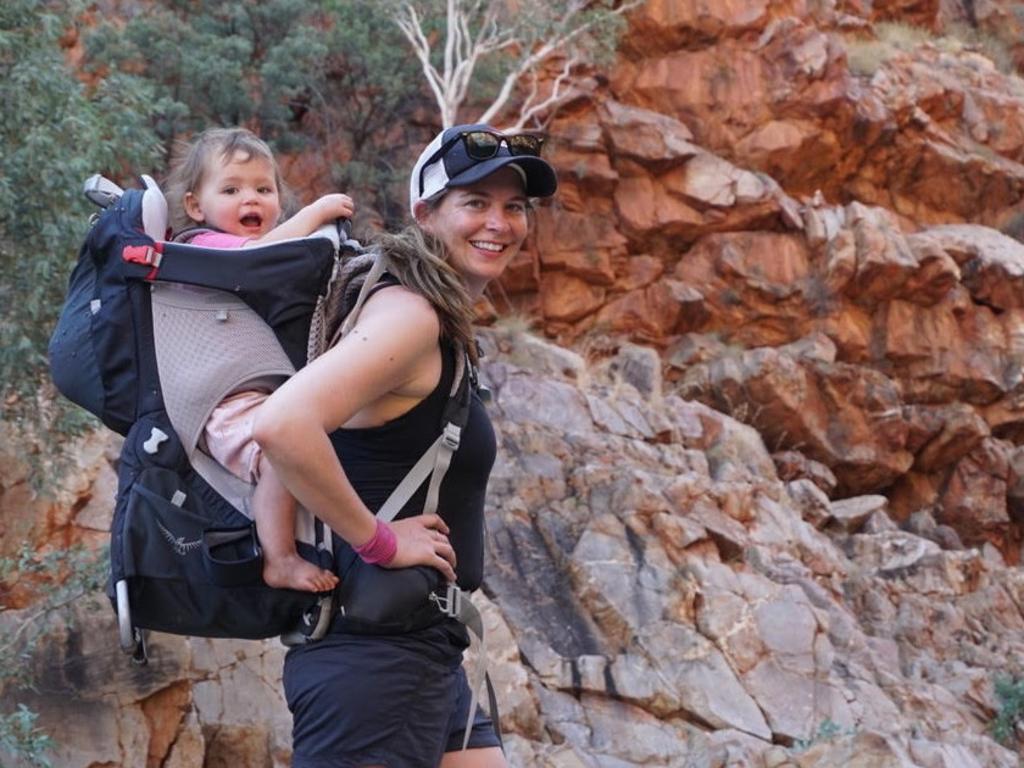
(851, 514)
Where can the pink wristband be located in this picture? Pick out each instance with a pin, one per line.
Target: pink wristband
(382, 546)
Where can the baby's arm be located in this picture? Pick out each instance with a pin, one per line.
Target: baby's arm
(309, 219)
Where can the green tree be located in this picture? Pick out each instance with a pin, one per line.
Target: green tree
(324, 75)
(55, 131)
(219, 62)
(372, 90)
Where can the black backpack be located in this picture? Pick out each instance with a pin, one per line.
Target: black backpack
(184, 557)
(153, 334)
(145, 323)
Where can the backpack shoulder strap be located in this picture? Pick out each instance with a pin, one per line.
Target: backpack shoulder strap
(435, 461)
(377, 270)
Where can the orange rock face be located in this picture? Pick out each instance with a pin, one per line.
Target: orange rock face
(775, 433)
(740, 185)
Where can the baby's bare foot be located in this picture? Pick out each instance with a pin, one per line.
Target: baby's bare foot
(293, 572)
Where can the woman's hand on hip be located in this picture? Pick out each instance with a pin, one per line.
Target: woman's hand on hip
(423, 540)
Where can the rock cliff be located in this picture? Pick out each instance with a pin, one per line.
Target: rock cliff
(760, 482)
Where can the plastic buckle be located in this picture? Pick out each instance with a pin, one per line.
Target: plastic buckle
(451, 603)
(452, 435)
(101, 191)
(147, 255)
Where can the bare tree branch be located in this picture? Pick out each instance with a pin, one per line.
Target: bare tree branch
(532, 60)
(451, 47)
(476, 29)
(529, 111)
(409, 22)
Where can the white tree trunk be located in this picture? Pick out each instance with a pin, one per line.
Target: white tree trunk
(464, 49)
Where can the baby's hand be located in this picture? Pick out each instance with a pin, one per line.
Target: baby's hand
(335, 206)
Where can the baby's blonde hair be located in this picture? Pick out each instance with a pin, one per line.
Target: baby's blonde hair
(192, 159)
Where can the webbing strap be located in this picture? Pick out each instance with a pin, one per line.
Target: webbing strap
(469, 614)
(448, 445)
(405, 489)
(492, 702)
(380, 265)
(433, 463)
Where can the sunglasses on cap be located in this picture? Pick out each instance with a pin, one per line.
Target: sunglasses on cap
(483, 145)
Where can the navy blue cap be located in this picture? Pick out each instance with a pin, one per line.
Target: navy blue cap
(445, 163)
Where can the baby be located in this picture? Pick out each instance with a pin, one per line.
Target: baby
(228, 181)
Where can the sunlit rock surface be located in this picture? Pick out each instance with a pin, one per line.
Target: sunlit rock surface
(760, 485)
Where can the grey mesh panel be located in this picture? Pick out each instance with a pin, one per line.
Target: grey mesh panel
(215, 333)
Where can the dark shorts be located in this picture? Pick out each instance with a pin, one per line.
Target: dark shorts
(399, 701)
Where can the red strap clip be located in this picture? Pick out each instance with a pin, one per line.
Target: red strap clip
(149, 255)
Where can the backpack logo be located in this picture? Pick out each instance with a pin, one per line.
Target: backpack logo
(178, 543)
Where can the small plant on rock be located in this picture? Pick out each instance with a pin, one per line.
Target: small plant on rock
(864, 57)
(20, 736)
(828, 730)
(1010, 694)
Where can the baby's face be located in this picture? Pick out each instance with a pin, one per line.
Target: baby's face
(238, 196)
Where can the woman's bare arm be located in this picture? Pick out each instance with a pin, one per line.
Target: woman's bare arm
(391, 350)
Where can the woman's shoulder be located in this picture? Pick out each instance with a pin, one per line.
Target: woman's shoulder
(396, 304)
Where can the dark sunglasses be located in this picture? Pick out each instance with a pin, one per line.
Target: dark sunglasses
(483, 145)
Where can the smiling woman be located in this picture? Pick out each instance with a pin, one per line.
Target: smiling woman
(347, 428)
(481, 227)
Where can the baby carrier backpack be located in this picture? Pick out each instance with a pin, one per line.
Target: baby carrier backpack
(152, 336)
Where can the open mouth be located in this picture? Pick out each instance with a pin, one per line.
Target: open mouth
(251, 220)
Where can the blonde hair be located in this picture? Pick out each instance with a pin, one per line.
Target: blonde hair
(192, 159)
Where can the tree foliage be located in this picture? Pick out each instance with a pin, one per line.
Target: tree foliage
(218, 62)
(55, 132)
(371, 91)
(304, 75)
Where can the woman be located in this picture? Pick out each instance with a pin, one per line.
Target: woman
(345, 429)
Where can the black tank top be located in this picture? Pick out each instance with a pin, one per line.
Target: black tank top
(376, 459)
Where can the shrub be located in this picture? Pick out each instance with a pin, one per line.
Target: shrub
(827, 731)
(864, 56)
(56, 133)
(1010, 694)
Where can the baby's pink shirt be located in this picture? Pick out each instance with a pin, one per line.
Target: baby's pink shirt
(219, 240)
